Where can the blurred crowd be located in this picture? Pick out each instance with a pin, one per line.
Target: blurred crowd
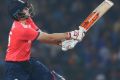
(97, 57)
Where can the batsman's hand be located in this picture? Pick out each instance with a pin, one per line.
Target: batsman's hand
(77, 34)
(68, 44)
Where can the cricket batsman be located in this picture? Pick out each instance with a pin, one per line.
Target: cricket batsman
(18, 62)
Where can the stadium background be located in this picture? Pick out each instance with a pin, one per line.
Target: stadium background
(97, 57)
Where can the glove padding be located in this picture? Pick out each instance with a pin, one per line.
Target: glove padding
(75, 37)
(68, 44)
(77, 34)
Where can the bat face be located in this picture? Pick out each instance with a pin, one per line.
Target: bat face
(97, 14)
(89, 21)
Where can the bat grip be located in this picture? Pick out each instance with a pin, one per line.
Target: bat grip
(82, 29)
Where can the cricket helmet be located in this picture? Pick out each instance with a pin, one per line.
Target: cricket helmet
(16, 7)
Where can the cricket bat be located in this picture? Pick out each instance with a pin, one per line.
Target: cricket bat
(89, 21)
(96, 14)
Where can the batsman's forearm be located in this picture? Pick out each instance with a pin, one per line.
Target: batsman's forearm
(52, 42)
(57, 36)
(52, 38)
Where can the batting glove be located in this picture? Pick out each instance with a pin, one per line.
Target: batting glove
(77, 34)
(68, 44)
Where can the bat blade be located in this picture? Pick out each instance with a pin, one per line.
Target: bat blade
(96, 14)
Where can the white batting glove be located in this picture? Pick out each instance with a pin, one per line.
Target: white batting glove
(77, 34)
(68, 44)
